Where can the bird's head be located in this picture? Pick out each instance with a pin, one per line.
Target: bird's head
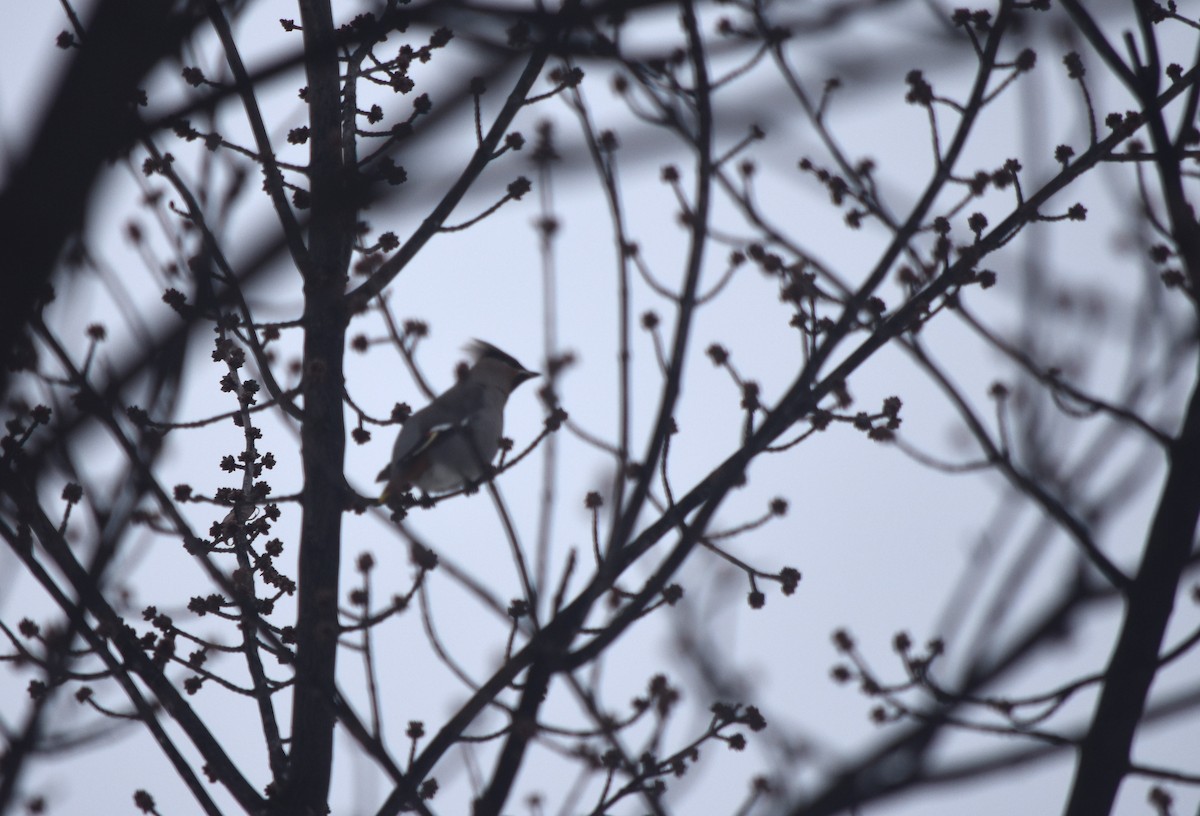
(499, 367)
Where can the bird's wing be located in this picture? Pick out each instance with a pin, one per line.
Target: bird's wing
(431, 436)
(419, 433)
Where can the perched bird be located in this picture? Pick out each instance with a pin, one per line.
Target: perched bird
(452, 440)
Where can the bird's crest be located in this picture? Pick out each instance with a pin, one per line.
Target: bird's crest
(483, 350)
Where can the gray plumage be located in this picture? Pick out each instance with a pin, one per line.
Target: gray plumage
(452, 440)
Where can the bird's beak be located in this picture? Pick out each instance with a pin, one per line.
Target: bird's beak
(522, 376)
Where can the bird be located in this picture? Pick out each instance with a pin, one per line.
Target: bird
(450, 443)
